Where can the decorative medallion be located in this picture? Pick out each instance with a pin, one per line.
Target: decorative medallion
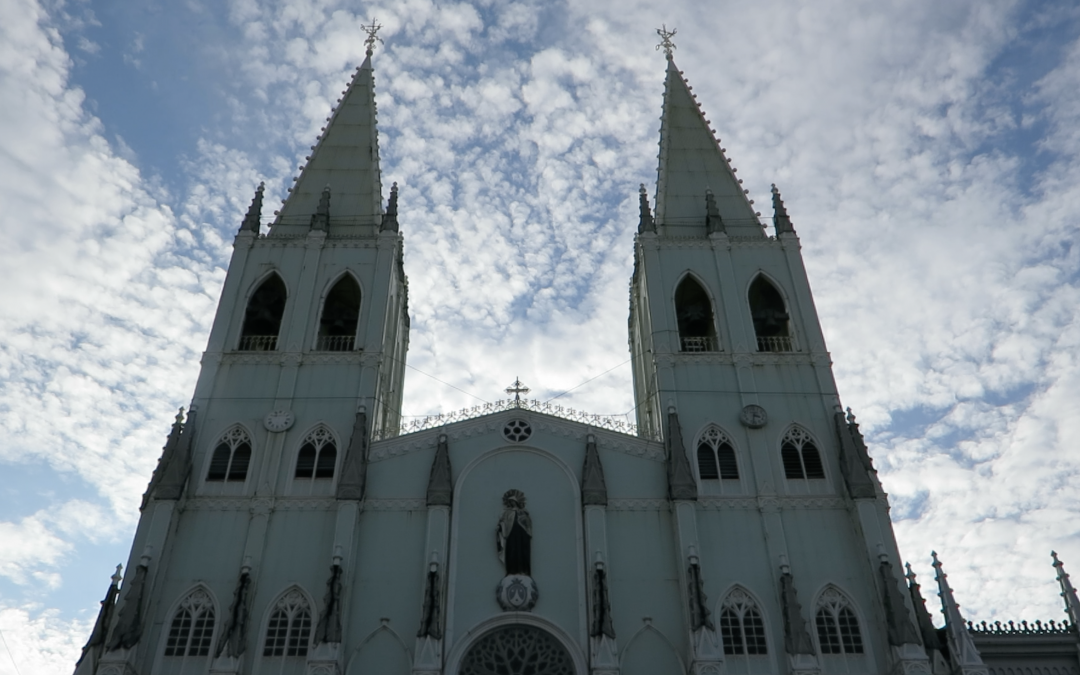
(279, 420)
(753, 416)
(517, 593)
(517, 431)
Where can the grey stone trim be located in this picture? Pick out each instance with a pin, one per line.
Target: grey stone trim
(280, 358)
(394, 505)
(643, 504)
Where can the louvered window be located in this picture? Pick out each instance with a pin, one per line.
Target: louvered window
(231, 457)
(318, 455)
(799, 455)
(716, 456)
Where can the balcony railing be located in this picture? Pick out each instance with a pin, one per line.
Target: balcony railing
(258, 343)
(699, 344)
(776, 343)
(336, 343)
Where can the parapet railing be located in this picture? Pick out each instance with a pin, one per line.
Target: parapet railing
(609, 422)
(699, 344)
(777, 343)
(335, 343)
(1051, 627)
(258, 343)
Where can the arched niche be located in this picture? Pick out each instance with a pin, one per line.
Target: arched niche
(382, 651)
(553, 500)
(340, 316)
(772, 325)
(694, 314)
(649, 652)
(262, 317)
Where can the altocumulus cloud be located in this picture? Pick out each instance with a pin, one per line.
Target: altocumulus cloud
(933, 188)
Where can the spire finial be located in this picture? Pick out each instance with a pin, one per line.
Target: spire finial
(713, 221)
(254, 214)
(665, 40)
(517, 389)
(321, 219)
(372, 36)
(1072, 603)
(389, 220)
(646, 223)
(180, 415)
(781, 221)
(116, 577)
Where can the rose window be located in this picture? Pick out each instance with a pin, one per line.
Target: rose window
(517, 650)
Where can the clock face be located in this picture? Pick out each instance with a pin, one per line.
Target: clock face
(753, 416)
(279, 420)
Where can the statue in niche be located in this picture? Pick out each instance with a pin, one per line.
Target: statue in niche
(517, 591)
(514, 534)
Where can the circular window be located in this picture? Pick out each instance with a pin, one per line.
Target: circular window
(517, 431)
(517, 650)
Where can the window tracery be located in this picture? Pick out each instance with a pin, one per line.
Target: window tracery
(741, 626)
(289, 630)
(800, 456)
(517, 650)
(192, 629)
(231, 457)
(716, 456)
(837, 626)
(318, 455)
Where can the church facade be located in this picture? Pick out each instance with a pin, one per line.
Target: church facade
(293, 526)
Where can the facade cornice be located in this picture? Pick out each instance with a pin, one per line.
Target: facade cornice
(291, 358)
(669, 242)
(705, 503)
(744, 358)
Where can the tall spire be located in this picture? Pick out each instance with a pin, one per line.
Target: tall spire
(254, 215)
(962, 651)
(692, 163)
(781, 221)
(1072, 604)
(345, 159)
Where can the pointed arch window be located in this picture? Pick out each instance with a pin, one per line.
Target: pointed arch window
(192, 629)
(231, 457)
(288, 632)
(837, 626)
(716, 456)
(262, 318)
(340, 317)
(741, 626)
(694, 313)
(770, 315)
(800, 456)
(317, 457)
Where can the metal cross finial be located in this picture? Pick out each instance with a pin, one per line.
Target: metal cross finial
(517, 389)
(372, 38)
(665, 39)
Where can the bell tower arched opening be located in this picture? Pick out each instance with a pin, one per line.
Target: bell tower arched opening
(771, 321)
(694, 312)
(340, 316)
(262, 319)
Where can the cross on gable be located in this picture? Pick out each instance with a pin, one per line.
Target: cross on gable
(517, 389)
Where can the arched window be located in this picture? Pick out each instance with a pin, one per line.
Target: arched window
(318, 455)
(694, 312)
(741, 626)
(231, 457)
(262, 319)
(770, 316)
(289, 631)
(716, 456)
(837, 625)
(192, 629)
(340, 315)
(800, 456)
(514, 649)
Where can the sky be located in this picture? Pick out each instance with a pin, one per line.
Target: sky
(928, 153)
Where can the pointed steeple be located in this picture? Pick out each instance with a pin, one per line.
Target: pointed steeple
(681, 483)
(345, 159)
(693, 163)
(254, 215)
(962, 650)
(96, 644)
(1072, 604)
(389, 220)
(781, 221)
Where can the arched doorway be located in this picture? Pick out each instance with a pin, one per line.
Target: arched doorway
(517, 649)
